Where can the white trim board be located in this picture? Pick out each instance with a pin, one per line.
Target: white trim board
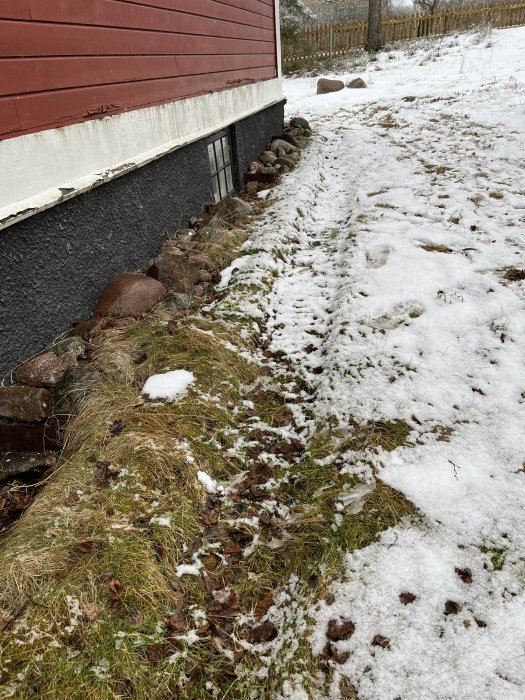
(42, 169)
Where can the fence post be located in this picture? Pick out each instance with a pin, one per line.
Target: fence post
(331, 41)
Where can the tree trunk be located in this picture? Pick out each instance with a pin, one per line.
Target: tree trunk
(373, 42)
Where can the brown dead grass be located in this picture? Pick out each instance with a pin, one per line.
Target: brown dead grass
(514, 274)
(436, 248)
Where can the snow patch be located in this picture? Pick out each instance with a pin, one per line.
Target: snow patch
(169, 385)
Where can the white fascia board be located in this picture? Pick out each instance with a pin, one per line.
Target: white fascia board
(42, 169)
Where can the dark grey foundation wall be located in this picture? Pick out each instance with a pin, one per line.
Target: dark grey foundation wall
(55, 264)
(252, 134)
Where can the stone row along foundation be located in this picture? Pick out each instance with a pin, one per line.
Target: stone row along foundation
(35, 408)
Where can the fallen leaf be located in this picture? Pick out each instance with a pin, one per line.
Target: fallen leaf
(117, 427)
(339, 628)
(380, 641)
(176, 623)
(115, 587)
(452, 608)
(84, 547)
(101, 472)
(210, 518)
(464, 574)
(407, 597)
(263, 604)
(263, 633)
(233, 551)
(91, 611)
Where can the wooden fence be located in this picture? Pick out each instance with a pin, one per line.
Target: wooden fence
(337, 39)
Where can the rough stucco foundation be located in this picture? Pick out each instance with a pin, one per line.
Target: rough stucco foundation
(56, 263)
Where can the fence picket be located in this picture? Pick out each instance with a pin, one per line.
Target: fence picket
(338, 39)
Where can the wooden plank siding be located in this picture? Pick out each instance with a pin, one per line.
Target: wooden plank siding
(67, 61)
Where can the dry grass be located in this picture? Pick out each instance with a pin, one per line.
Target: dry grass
(83, 533)
(436, 248)
(514, 274)
(90, 570)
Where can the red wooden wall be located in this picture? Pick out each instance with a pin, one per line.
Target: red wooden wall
(66, 61)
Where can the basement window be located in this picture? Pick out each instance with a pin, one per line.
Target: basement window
(220, 157)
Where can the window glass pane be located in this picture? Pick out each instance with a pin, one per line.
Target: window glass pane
(218, 154)
(216, 192)
(225, 150)
(222, 180)
(229, 179)
(211, 157)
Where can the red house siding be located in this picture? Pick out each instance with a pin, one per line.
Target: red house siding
(66, 61)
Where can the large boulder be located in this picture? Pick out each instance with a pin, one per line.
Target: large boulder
(25, 403)
(324, 86)
(356, 83)
(46, 369)
(130, 294)
(175, 272)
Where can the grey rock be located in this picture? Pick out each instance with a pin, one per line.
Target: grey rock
(75, 387)
(356, 83)
(235, 211)
(324, 86)
(177, 301)
(211, 235)
(14, 463)
(284, 145)
(251, 187)
(268, 157)
(287, 162)
(25, 403)
(72, 344)
(205, 276)
(290, 138)
(301, 123)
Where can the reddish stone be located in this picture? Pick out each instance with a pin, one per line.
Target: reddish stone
(25, 403)
(30, 437)
(46, 369)
(325, 85)
(175, 272)
(130, 294)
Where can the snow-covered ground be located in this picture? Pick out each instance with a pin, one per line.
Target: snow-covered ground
(397, 231)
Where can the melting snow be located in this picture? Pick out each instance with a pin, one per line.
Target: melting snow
(394, 235)
(168, 385)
